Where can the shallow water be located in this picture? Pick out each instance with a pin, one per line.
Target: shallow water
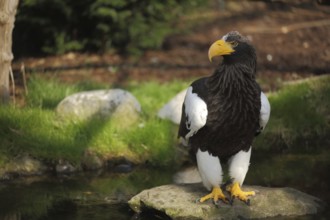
(85, 196)
(104, 195)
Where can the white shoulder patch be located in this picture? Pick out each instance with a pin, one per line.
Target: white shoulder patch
(264, 111)
(196, 112)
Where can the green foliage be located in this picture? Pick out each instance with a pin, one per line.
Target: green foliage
(95, 25)
(300, 117)
(63, 44)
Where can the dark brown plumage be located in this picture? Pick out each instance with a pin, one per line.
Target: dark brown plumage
(232, 96)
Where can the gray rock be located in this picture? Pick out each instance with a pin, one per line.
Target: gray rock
(178, 202)
(116, 103)
(123, 168)
(173, 109)
(187, 176)
(91, 161)
(23, 165)
(26, 165)
(64, 167)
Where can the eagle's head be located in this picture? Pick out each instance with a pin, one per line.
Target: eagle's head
(235, 49)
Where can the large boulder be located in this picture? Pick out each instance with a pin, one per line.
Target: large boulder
(115, 103)
(179, 202)
(173, 109)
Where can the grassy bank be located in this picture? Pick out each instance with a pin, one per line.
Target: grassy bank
(36, 130)
(299, 122)
(300, 118)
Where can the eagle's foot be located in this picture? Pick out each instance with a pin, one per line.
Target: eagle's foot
(216, 194)
(236, 191)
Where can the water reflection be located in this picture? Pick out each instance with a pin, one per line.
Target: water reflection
(77, 197)
(105, 195)
(308, 172)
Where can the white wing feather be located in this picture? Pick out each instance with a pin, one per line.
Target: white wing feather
(196, 112)
(264, 111)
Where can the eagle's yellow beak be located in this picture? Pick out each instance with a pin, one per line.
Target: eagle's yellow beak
(218, 48)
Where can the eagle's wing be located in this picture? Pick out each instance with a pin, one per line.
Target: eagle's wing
(194, 115)
(264, 113)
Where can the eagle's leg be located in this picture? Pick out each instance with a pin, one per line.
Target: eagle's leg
(210, 170)
(238, 167)
(216, 194)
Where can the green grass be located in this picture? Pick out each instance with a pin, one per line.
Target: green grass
(36, 130)
(47, 93)
(153, 95)
(300, 117)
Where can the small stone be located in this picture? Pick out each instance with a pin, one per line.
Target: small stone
(284, 29)
(306, 44)
(70, 56)
(123, 168)
(90, 161)
(64, 167)
(269, 57)
(26, 165)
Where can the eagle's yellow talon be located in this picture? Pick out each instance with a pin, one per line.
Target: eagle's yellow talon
(236, 191)
(216, 194)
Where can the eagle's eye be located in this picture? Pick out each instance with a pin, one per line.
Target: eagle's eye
(233, 43)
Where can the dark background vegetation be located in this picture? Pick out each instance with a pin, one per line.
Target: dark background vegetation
(55, 27)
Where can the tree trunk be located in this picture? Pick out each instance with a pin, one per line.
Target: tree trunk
(7, 17)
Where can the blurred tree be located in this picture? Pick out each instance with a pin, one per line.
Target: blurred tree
(95, 25)
(7, 18)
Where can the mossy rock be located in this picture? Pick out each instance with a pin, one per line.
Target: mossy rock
(179, 202)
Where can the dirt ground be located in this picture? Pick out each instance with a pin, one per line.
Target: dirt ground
(292, 39)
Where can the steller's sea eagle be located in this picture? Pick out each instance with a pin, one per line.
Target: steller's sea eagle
(222, 114)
